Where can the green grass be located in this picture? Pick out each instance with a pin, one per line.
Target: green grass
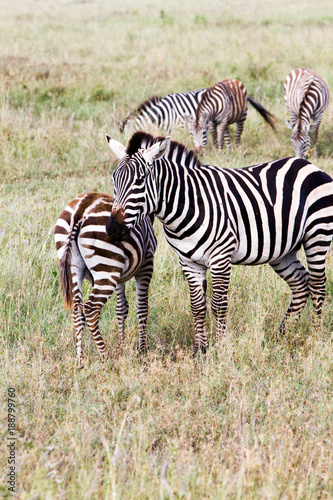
(250, 420)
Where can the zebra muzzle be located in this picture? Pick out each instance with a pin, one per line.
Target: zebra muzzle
(116, 229)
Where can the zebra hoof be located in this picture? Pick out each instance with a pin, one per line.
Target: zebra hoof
(202, 350)
(272, 338)
(143, 349)
(104, 357)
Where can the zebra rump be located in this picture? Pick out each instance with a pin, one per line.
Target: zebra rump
(216, 217)
(86, 251)
(306, 96)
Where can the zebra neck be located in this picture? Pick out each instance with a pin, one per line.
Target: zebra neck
(187, 198)
(177, 199)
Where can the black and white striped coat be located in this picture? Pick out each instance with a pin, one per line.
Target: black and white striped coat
(167, 112)
(215, 217)
(86, 251)
(306, 96)
(220, 106)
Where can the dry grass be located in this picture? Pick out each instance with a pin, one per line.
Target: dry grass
(252, 420)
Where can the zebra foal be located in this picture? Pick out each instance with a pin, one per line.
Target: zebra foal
(306, 96)
(165, 112)
(215, 217)
(220, 106)
(86, 251)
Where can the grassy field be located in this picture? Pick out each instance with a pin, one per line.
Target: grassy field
(252, 420)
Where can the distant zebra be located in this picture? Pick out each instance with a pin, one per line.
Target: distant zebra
(165, 112)
(306, 96)
(220, 106)
(86, 251)
(215, 217)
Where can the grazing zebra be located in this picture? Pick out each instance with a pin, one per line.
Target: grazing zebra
(306, 96)
(86, 251)
(165, 112)
(215, 217)
(220, 106)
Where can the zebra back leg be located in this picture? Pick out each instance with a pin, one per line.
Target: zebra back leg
(291, 270)
(239, 129)
(77, 273)
(142, 287)
(196, 278)
(315, 130)
(316, 249)
(227, 137)
(121, 310)
(220, 282)
(79, 322)
(100, 294)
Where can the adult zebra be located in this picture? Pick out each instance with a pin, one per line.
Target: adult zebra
(165, 112)
(86, 251)
(215, 217)
(306, 96)
(220, 106)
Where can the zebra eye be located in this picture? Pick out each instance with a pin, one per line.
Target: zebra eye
(139, 181)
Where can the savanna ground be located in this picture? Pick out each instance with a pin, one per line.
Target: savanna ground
(252, 420)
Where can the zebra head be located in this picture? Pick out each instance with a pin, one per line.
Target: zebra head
(133, 187)
(300, 138)
(198, 128)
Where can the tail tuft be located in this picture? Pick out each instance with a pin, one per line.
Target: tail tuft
(66, 278)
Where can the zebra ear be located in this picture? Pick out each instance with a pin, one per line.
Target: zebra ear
(189, 118)
(289, 124)
(205, 117)
(119, 150)
(157, 150)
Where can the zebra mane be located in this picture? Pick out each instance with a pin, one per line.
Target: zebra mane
(144, 140)
(141, 140)
(151, 101)
(147, 103)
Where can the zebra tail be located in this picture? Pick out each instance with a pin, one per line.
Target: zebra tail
(66, 277)
(66, 262)
(267, 116)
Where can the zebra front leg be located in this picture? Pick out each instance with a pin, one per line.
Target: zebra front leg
(239, 130)
(196, 278)
(213, 130)
(92, 309)
(221, 134)
(142, 287)
(121, 311)
(220, 282)
(291, 270)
